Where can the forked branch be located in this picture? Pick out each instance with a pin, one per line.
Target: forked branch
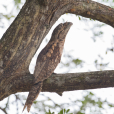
(22, 39)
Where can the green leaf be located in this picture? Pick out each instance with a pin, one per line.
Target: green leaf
(77, 61)
(49, 112)
(67, 110)
(79, 17)
(64, 110)
(61, 112)
(91, 93)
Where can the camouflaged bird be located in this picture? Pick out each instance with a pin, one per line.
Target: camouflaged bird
(47, 61)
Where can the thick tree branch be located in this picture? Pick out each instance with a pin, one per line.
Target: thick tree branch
(62, 82)
(93, 10)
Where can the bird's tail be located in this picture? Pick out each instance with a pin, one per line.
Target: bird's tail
(33, 94)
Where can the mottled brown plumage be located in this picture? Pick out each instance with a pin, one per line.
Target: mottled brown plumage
(47, 61)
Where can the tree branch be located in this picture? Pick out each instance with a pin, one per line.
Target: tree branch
(93, 10)
(62, 82)
(79, 81)
(3, 110)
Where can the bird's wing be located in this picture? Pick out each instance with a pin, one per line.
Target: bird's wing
(46, 63)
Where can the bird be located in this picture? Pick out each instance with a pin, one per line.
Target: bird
(47, 61)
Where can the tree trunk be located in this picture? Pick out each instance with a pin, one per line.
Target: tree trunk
(22, 39)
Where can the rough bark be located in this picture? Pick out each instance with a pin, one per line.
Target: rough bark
(63, 82)
(24, 36)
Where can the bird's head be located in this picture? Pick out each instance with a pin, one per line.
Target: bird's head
(61, 31)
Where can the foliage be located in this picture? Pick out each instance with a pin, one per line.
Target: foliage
(17, 4)
(90, 104)
(63, 111)
(78, 62)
